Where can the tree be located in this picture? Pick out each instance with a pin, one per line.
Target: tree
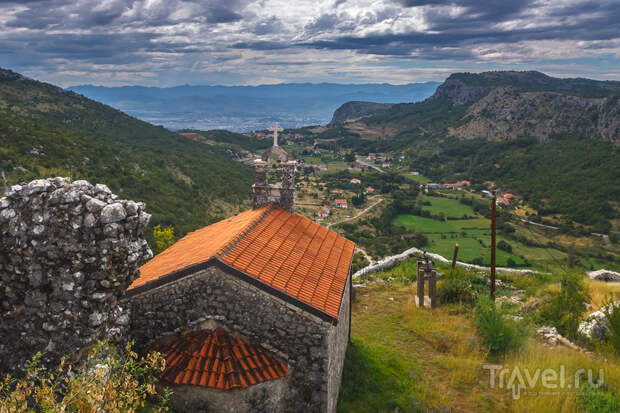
(504, 246)
(163, 238)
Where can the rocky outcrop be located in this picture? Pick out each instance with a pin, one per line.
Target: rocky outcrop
(596, 324)
(506, 113)
(461, 93)
(68, 252)
(604, 275)
(356, 110)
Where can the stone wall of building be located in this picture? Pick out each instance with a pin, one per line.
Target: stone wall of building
(297, 337)
(338, 341)
(68, 251)
(262, 397)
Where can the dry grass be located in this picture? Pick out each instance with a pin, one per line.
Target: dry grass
(561, 399)
(436, 357)
(600, 292)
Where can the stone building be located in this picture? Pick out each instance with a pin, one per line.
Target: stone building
(253, 312)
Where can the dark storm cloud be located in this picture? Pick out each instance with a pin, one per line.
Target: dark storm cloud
(452, 35)
(68, 14)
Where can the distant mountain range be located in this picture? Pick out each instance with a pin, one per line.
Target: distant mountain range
(245, 108)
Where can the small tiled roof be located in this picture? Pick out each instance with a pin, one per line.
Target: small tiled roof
(275, 249)
(216, 359)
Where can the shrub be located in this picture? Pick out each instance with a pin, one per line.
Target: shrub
(460, 287)
(566, 309)
(477, 261)
(611, 310)
(110, 381)
(498, 333)
(599, 401)
(504, 246)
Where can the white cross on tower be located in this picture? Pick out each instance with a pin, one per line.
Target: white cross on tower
(275, 130)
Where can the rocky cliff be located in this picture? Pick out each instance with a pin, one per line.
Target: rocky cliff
(356, 110)
(506, 105)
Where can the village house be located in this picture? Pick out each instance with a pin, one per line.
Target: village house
(355, 181)
(386, 165)
(253, 312)
(370, 190)
(502, 201)
(341, 203)
(323, 213)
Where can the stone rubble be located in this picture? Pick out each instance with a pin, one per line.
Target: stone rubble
(68, 252)
(604, 275)
(595, 325)
(553, 338)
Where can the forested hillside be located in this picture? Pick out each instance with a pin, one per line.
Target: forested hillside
(45, 131)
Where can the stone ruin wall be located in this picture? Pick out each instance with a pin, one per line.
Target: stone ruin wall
(68, 252)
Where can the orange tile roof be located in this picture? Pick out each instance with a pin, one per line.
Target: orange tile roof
(218, 360)
(286, 252)
(198, 246)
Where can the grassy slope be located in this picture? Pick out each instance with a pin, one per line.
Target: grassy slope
(184, 183)
(402, 356)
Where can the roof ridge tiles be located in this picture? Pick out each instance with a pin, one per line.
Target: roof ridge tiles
(253, 224)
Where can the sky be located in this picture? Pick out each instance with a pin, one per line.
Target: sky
(251, 42)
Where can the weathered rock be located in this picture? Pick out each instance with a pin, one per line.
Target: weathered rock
(596, 324)
(113, 213)
(95, 205)
(604, 275)
(62, 268)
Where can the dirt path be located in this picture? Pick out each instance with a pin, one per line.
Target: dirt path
(369, 165)
(360, 214)
(368, 257)
(527, 221)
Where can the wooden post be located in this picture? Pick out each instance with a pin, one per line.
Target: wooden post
(456, 252)
(493, 219)
(432, 288)
(421, 275)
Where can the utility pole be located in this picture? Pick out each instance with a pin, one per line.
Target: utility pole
(493, 219)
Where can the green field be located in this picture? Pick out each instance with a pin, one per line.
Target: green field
(429, 225)
(451, 208)
(416, 178)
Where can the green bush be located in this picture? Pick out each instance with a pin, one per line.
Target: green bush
(566, 309)
(498, 333)
(612, 314)
(599, 401)
(460, 287)
(504, 246)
